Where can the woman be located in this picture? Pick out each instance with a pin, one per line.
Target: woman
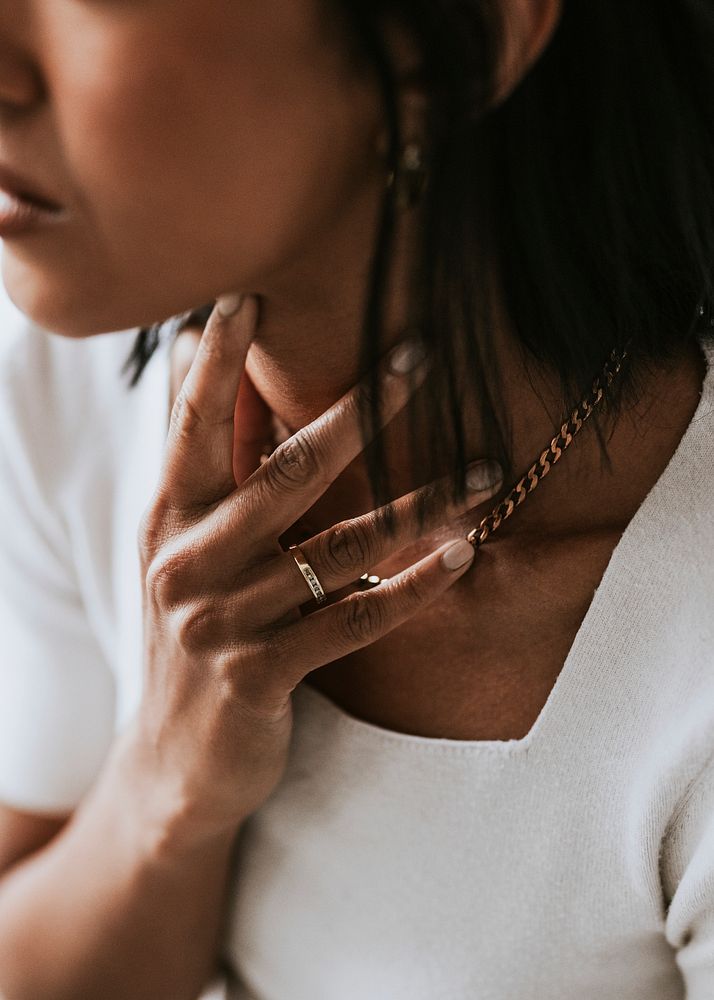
(452, 244)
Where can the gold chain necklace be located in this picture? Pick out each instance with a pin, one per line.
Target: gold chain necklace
(552, 454)
(539, 469)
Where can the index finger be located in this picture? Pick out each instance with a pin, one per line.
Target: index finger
(197, 469)
(300, 470)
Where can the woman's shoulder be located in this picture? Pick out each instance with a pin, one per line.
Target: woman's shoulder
(671, 539)
(676, 522)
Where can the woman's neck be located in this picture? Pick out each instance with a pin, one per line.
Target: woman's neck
(288, 362)
(305, 356)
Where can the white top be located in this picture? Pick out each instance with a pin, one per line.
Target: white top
(577, 862)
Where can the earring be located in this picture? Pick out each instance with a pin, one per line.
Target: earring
(409, 180)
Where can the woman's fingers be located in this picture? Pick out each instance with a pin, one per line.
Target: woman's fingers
(300, 470)
(183, 351)
(198, 459)
(341, 554)
(253, 426)
(253, 429)
(362, 618)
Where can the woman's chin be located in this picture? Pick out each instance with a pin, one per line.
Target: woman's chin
(76, 323)
(70, 311)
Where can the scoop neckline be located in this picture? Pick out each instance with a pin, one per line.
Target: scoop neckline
(569, 676)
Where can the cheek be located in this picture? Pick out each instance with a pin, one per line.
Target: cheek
(201, 154)
(231, 158)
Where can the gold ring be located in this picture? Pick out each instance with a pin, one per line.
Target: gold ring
(309, 573)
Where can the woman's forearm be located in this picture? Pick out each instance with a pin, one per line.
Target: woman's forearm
(119, 906)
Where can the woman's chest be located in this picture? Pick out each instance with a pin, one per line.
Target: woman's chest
(481, 662)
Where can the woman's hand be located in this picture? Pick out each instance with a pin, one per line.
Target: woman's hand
(225, 643)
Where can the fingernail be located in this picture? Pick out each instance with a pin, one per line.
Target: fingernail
(406, 357)
(483, 475)
(458, 555)
(229, 304)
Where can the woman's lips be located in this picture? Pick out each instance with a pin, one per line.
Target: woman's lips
(23, 206)
(21, 215)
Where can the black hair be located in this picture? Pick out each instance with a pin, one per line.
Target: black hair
(588, 192)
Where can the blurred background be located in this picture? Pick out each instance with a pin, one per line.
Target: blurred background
(8, 312)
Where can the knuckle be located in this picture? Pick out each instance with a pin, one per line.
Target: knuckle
(366, 395)
(363, 618)
(294, 462)
(185, 418)
(413, 588)
(259, 685)
(349, 547)
(429, 508)
(153, 530)
(148, 534)
(166, 577)
(196, 626)
(432, 499)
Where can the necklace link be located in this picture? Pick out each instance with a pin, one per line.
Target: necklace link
(552, 454)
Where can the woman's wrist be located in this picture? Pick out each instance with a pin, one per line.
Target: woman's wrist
(155, 813)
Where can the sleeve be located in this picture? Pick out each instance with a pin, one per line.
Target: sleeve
(688, 877)
(56, 688)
